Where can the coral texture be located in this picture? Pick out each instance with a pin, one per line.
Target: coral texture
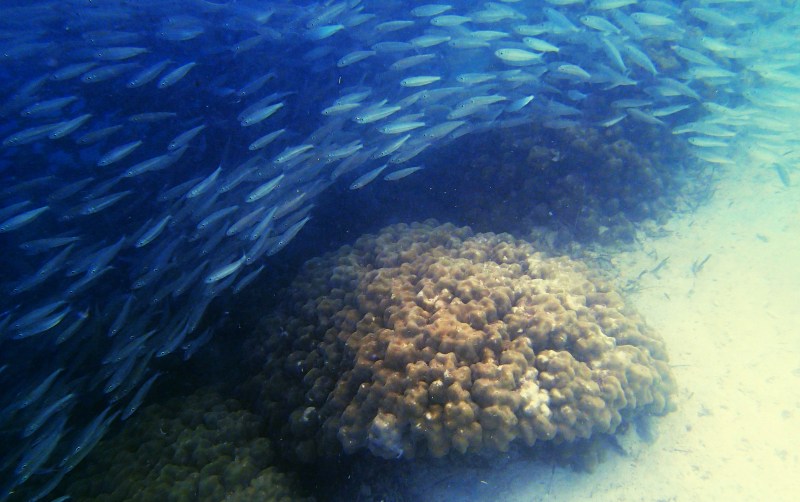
(201, 447)
(427, 340)
(591, 184)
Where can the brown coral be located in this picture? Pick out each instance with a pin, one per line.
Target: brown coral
(428, 339)
(199, 447)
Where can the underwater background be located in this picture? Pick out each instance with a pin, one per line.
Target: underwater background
(399, 250)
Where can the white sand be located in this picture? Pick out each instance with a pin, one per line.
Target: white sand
(733, 334)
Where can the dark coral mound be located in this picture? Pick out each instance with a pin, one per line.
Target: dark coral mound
(592, 184)
(427, 340)
(201, 447)
(585, 184)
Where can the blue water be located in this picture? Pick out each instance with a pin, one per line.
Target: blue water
(145, 231)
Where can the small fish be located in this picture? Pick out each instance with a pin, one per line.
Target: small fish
(104, 73)
(475, 78)
(540, 45)
(216, 216)
(698, 265)
(46, 413)
(261, 114)
(40, 390)
(709, 72)
(225, 270)
(97, 205)
(400, 127)
(72, 71)
(323, 32)
(419, 80)
(119, 153)
(70, 330)
(45, 324)
(122, 316)
(649, 19)
(599, 23)
(343, 152)
(175, 75)
(409, 153)
(669, 110)
(104, 256)
(644, 117)
(391, 147)
(154, 164)
(69, 126)
(243, 283)
(138, 398)
(262, 228)
(39, 452)
(336, 109)
(90, 436)
(447, 20)
(148, 74)
(49, 106)
(573, 70)
(640, 58)
(354, 57)
(98, 135)
(517, 56)
(255, 85)
(411, 61)
(42, 245)
(142, 118)
(286, 237)
(692, 56)
(401, 173)
(122, 371)
(244, 222)
(443, 129)
(704, 128)
(185, 137)
(265, 140)
(712, 17)
(611, 4)
(369, 116)
(22, 219)
(36, 315)
(355, 97)
(783, 175)
(706, 142)
(119, 53)
(30, 135)
(425, 41)
(151, 234)
(204, 185)
(291, 152)
(430, 10)
(365, 179)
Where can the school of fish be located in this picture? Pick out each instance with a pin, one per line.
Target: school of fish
(154, 154)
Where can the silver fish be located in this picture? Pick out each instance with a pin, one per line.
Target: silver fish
(21, 220)
(175, 75)
(225, 270)
(119, 153)
(366, 178)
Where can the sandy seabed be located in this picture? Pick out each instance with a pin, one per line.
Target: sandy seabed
(733, 333)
